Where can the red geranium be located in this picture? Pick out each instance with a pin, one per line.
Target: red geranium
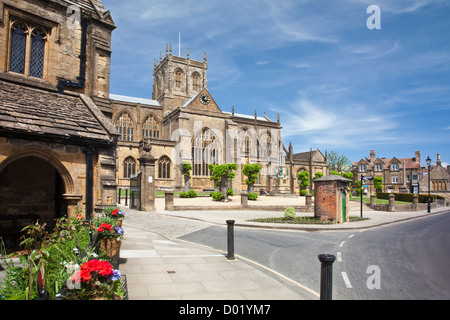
(105, 226)
(95, 268)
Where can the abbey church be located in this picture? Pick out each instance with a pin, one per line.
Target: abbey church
(67, 144)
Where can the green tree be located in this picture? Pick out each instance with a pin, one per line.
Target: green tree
(303, 181)
(186, 171)
(222, 173)
(378, 183)
(338, 162)
(252, 172)
(318, 175)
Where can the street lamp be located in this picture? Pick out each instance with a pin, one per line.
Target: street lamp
(429, 166)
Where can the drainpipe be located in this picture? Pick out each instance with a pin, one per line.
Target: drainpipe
(82, 77)
(90, 152)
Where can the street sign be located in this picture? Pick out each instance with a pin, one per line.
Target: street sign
(368, 178)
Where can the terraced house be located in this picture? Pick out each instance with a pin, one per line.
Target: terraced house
(57, 142)
(399, 174)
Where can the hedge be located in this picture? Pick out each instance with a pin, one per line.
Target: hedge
(407, 197)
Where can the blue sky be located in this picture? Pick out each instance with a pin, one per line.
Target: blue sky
(337, 84)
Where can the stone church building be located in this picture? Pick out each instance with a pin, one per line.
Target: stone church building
(185, 124)
(66, 144)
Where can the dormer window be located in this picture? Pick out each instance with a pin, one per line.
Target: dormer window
(378, 167)
(362, 168)
(27, 49)
(395, 167)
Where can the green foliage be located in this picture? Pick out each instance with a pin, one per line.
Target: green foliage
(378, 183)
(222, 170)
(303, 192)
(55, 256)
(303, 180)
(358, 188)
(230, 192)
(318, 175)
(187, 168)
(252, 196)
(217, 196)
(252, 172)
(289, 213)
(407, 197)
(189, 194)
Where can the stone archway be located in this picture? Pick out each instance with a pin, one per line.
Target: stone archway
(34, 185)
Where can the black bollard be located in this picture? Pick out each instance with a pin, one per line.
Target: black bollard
(120, 191)
(230, 224)
(126, 197)
(326, 276)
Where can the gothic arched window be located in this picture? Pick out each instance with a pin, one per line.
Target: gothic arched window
(150, 128)
(164, 168)
(129, 168)
(37, 54)
(205, 151)
(27, 49)
(124, 125)
(18, 48)
(178, 78)
(196, 81)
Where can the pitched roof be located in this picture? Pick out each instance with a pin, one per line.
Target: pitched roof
(44, 113)
(94, 7)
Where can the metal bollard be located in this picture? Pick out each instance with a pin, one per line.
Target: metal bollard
(126, 197)
(326, 276)
(120, 191)
(230, 224)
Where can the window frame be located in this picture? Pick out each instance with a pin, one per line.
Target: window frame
(30, 32)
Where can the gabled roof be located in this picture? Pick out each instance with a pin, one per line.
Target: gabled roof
(93, 7)
(45, 114)
(194, 102)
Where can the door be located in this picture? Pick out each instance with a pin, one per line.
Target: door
(344, 207)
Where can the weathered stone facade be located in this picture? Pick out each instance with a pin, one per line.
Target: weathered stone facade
(57, 143)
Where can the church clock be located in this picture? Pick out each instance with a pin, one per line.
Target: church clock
(205, 99)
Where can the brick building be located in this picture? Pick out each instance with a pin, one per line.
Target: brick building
(57, 142)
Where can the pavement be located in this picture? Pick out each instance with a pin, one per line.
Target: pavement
(159, 266)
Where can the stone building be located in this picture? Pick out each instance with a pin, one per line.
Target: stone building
(185, 124)
(57, 142)
(439, 179)
(312, 161)
(399, 174)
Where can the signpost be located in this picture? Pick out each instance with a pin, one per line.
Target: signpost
(363, 179)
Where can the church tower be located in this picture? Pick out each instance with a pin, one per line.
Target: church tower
(176, 80)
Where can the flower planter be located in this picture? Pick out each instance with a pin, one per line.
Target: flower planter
(111, 246)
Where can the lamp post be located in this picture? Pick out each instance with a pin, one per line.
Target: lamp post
(429, 184)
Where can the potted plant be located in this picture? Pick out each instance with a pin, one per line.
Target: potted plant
(115, 213)
(110, 239)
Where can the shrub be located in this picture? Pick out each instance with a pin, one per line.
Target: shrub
(192, 194)
(217, 196)
(252, 196)
(303, 192)
(189, 194)
(289, 213)
(230, 192)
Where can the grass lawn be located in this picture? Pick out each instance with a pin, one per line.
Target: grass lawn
(377, 201)
(301, 220)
